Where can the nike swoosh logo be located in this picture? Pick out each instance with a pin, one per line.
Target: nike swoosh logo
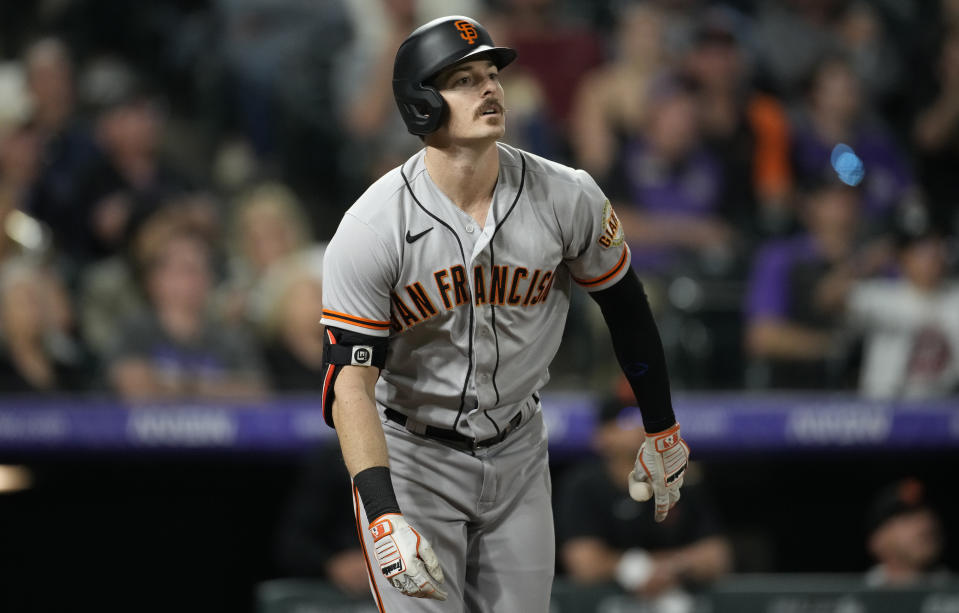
(412, 238)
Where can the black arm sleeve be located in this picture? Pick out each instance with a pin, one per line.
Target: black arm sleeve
(638, 348)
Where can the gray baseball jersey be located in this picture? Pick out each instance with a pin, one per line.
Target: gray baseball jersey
(474, 314)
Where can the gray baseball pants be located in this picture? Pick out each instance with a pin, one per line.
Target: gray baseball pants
(487, 515)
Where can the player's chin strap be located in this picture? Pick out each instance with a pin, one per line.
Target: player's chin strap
(638, 348)
(347, 348)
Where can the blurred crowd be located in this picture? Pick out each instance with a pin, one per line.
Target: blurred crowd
(169, 171)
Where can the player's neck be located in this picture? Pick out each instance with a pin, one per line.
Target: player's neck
(467, 175)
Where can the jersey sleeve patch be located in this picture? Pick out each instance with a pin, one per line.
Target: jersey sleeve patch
(362, 322)
(613, 235)
(609, 275)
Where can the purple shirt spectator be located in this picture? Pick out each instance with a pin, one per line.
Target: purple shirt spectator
(692, 187)
(887, 174)
(769, 286)
(782, 291)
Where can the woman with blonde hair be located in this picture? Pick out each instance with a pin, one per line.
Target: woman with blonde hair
(268, 226)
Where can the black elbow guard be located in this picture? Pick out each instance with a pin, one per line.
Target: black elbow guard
(346, 348)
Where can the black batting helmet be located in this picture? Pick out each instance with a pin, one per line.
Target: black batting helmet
(428, 50)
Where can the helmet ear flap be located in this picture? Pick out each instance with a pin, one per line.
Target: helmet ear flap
(421, 106)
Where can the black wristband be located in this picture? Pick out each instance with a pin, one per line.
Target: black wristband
(376, 492)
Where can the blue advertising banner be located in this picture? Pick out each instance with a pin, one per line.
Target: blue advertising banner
(712, 423)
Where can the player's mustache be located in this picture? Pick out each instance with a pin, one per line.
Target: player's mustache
(490, 104)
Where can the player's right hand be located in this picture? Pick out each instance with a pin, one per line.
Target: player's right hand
(406, 558)
(658, 473)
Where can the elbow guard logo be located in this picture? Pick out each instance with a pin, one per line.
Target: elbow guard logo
(362, 356)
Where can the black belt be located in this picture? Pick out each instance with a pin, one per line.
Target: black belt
(454, 438)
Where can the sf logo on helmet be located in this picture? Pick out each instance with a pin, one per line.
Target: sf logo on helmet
(467, 31)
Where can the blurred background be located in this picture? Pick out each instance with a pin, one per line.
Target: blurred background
(170, 170)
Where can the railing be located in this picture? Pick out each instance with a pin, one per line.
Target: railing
(714, 423)
(760, 593)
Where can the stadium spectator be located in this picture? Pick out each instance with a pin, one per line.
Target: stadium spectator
(178, 350)
(791, 36)
(268, 226)
(109, 290)
(873, 54)
(316, 535)
(605, 536)
(38, 346)
(682, 19)
(949, 13)
(910, 323)
(836, 111)
(39, 349)
(52, 88)
(904, 537)
(747, 130)
(262, 54)
(271, 78)
(291, 304)
(529, 127)
(67, 144)
(378, 139)
(120, 189)
(612, 100)
(790, 332)
(555, 50)
(19, 148)
(668, 187)
(936, 135)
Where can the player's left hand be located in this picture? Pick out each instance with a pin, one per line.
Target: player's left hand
(658, 473)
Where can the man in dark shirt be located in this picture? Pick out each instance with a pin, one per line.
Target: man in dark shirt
(316, 536)
(790, 325)
(905, 537)
(177, 350)
(606, 536)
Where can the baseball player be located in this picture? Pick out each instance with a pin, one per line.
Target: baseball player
(446, 289)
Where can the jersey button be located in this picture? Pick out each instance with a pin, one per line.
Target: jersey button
(470, 228)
